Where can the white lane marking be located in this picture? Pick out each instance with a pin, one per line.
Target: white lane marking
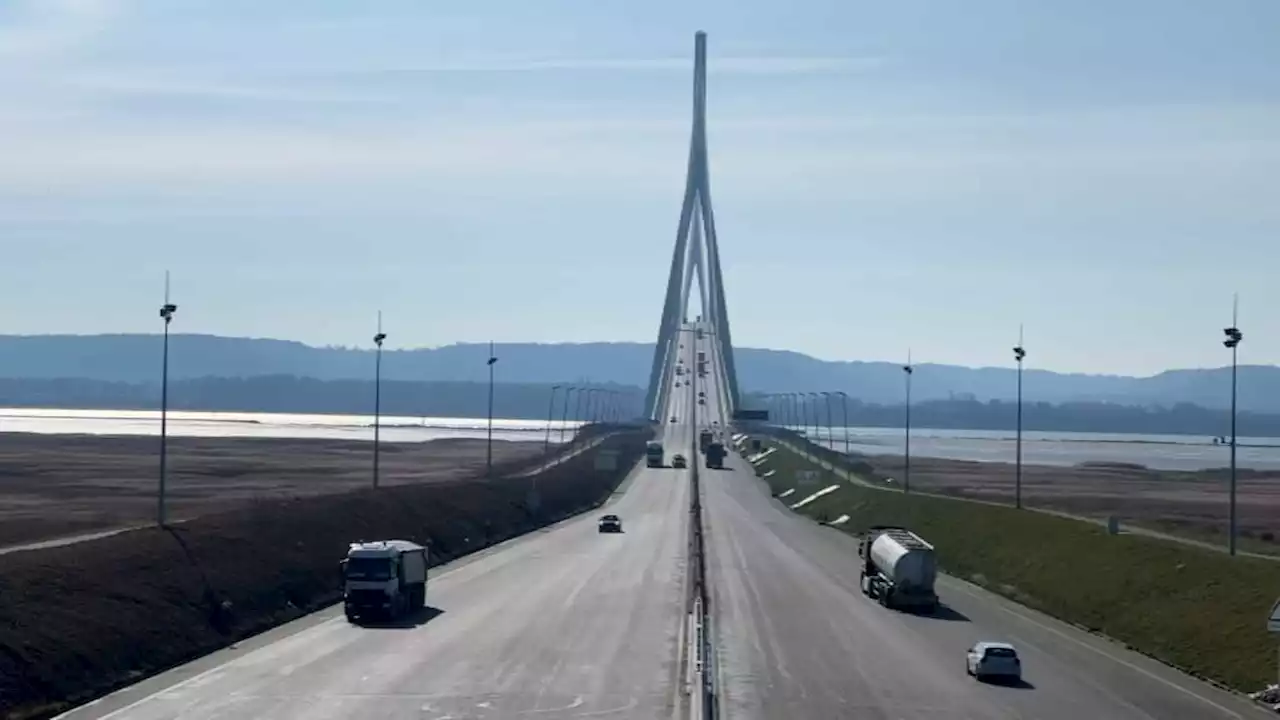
(1088, 646)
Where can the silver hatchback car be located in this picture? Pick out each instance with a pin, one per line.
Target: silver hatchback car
(993, 659)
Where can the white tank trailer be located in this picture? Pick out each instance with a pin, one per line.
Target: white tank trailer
(898, 569)
(387, 578)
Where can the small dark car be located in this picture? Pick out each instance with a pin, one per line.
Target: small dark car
(610, 524)
(678, 462)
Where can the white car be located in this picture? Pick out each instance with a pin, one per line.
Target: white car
(993, 659)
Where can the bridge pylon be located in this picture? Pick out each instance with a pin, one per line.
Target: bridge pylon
(697, 253)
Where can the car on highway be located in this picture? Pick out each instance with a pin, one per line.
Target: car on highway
(993, 660)
(610, 524)
(702, 401)
(679, 462)
(673, 419)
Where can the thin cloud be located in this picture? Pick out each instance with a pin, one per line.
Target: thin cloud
(780, 65)
(46, 29)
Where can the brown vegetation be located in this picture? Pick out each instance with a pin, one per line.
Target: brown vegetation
(58, 485)
(1192, 503)
(80, 620)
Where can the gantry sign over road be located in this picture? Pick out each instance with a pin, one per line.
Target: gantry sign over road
(696, 250)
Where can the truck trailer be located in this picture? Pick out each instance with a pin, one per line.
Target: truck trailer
(715, 455)
(387, 578)
(654, 454)
(704, 439)
(898, 568)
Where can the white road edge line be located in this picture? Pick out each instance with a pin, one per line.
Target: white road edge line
(1002, 606)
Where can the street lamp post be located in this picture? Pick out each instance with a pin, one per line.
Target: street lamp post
(551, 408)
(817, 416)
(564, 416)
(1018, 354)
(831, 438)
(1234, 336)
(844, 418)
(577, 411)
(908, 370)
(488, 444)
(166, 313)
(377, 395)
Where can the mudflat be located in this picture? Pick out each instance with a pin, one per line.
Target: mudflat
(58, 485)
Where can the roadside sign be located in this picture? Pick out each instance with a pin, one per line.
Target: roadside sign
(1273, 622)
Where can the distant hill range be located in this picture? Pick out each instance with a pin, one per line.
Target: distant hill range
(136, 359)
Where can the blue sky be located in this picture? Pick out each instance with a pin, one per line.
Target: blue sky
(884, 175)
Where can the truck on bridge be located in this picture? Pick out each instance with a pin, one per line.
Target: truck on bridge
(704, 439)
(654, 454)
(715, 455)
(387, 578)
(898, 568)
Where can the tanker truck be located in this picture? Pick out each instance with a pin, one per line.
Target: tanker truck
(898, 568)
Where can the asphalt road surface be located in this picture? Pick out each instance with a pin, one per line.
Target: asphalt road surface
(564, 623)
(797, 639)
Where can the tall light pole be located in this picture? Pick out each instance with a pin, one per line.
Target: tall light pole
(844, 417)
(817, 416)
(908, 370)
(551, 407)
(377, 395)
(797, 400)
(593, 405)
(577, 410)
(488, 443)
(1018, 355)
(831, 438)
(564, 416)
(166, 313)
(1234, 336)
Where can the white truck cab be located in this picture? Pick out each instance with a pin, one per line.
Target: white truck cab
(385, 577)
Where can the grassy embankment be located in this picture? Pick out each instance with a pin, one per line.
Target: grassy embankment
(79, 621)
(1192, 608)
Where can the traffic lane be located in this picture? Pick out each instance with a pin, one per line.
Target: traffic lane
(796, 567)
(567, 623)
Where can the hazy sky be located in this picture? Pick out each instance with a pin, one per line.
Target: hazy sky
(884, 174)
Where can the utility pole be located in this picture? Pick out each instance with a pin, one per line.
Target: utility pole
(1234, 336)
(166, 313)
(488, 445)
(551, 408)
(564, 416)
(844, 417)
(377, 395)
(1018, 354)
(908, 369)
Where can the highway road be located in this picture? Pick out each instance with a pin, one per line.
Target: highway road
(564, 623)
(797, 639)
